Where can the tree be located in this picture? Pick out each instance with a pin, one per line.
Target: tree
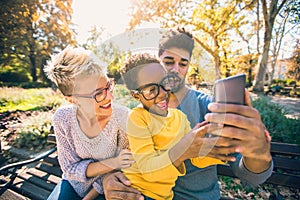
(94, 39)
(31, 30)
(282, 27)
(269, 14)
(108, 51)
(212, 28)
(294, 70)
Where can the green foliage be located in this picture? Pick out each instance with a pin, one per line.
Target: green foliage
(293, 71)
(123, 97)
(279, 82)
(28, 85)
(108, 52)
(30, 30)
(281, 128)
(28, 99)
(34, 131)
(15, 77)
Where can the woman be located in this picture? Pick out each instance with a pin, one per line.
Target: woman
(90, 138)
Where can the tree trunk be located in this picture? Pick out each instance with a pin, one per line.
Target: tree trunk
(217, 67)
(269, 18)
(33, 68)
(260, 76)
(250, 73)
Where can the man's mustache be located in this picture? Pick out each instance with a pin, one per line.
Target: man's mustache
(172, 80)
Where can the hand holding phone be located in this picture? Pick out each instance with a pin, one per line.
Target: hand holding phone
(230, 90)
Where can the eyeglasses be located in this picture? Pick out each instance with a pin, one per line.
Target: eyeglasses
(152, 90)
(99, 95)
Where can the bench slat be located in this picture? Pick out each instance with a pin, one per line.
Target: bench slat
(51, 161)
(225, 170)
(30, 190)
(49, 169)
(44, 175)
(282, 148)
(40, 182)
(286, 163)
(284, 180)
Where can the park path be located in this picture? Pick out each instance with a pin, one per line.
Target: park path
(292, 105)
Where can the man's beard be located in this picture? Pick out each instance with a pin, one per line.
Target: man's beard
(174, 82)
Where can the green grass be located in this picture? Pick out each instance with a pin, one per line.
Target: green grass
(32, 132)
(12, 99)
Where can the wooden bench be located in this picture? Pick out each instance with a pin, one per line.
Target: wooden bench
(36, 178)
(286, 158)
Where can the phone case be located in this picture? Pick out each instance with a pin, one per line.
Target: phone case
(230, 90)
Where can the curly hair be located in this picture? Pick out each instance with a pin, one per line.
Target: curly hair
(178, 38)
(65, 66)
(131, 67)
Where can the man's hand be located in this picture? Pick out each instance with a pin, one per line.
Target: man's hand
(247, 132)
(117, 186)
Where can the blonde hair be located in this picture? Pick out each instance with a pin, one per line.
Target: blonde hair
(65, 66)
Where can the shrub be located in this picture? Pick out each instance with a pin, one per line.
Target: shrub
(13, 77)
(281, 128)
(28, 85)
(123, 97)
(279, 82)
(33, 131)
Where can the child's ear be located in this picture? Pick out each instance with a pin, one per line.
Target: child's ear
(135, 95)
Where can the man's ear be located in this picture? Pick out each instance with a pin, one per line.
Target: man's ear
(70, 99)
(135, 95)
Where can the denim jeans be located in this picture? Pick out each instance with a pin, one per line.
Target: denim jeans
(147, 198)
(64, 191)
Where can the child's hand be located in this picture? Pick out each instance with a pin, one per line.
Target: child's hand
(124, 159)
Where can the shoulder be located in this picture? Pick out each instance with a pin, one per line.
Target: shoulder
(175, 112)
(202, 97)
(177, 115)
(120, 110)
(138, 112)
(64, 112)
(120, 115)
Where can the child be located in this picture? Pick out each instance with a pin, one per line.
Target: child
(153, 130)
(91, 140)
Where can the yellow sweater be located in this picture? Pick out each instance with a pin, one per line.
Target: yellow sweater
(150, 138)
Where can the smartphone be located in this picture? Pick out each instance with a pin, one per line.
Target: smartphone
(230, 90)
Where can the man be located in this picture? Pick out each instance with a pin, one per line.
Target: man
(243, 133)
